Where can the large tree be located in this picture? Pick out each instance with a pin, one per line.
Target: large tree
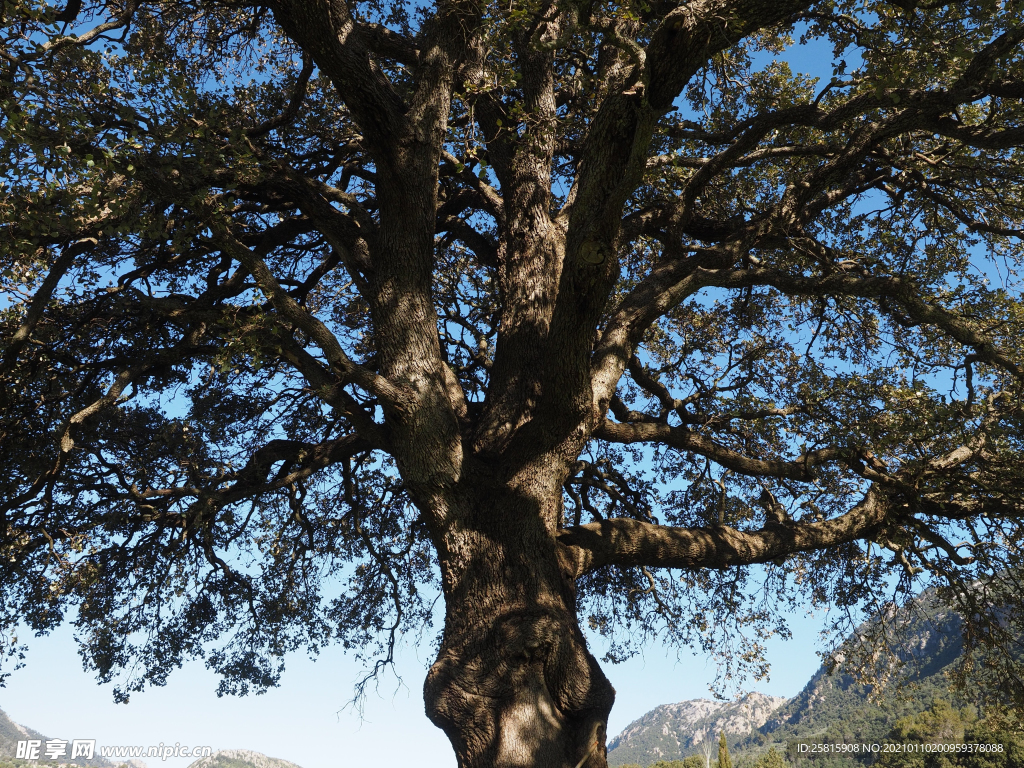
(578, 314)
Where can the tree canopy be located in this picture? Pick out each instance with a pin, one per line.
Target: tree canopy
(581, 315)
(771, 759)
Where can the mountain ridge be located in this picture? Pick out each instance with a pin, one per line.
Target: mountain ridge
(673, 731)
(831, 708)
(11, 733)
(240, 758)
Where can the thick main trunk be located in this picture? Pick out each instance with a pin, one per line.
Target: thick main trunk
(514, 683)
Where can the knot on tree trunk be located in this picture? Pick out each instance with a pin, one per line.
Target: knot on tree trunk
(521, 690)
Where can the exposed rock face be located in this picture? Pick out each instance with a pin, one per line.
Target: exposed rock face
(240, 758)
(831, 708)
(11, 733)
(673, 731)
(838, 705)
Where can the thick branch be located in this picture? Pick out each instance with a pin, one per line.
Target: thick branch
(41, 299)
(328, 32)
(350, 371)
(302, 460)
(613, 161)
(630, 543)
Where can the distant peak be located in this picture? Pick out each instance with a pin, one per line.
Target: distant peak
(671, 731)
(239, 758)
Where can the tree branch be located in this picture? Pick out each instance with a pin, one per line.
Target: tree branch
(612, 163)
(683, 439)
(292, 111)
(392, 396)
(328, 32)
(630, 543)
(905, 293)
(41, 299)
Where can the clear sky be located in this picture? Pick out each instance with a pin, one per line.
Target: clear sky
(302, 720)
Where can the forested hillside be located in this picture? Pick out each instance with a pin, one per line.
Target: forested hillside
(916, 707)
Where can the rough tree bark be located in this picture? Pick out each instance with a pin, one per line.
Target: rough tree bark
(514, 683)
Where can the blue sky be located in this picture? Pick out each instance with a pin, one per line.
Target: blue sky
(303, 720)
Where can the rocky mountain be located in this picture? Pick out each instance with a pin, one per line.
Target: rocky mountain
(837, 709)
(674, 731)
(240, 758)
(830, 708)
(11, 733)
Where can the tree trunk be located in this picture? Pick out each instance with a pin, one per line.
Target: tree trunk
(514, 683)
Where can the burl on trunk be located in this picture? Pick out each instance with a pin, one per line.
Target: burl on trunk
(514, 683)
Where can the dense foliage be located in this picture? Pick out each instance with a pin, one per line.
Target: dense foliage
(724, 759)
(771, 759)
(982, 742)
(574, 313)
(693, 761)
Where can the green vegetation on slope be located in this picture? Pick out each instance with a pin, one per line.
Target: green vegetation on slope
(945, 737)
(917, 708)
